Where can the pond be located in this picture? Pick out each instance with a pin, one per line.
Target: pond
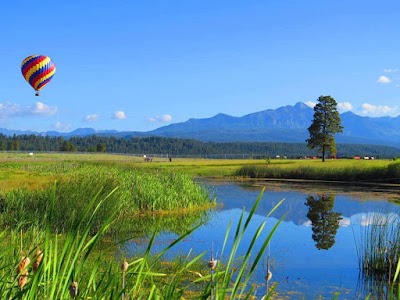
(313, 253)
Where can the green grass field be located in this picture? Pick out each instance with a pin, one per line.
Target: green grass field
(345, 170)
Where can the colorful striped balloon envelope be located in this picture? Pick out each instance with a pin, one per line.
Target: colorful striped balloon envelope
(38, 71)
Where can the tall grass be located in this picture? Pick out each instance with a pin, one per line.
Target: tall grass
(349, 171)
(379, 254)
(139, 192)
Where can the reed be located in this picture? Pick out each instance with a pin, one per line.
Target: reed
(330, 170)
(140, 192)
(378, 254)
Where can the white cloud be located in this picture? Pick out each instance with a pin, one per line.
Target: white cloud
(378, 110)
(390, 70)
(62, 126)
(11, 110)
(91, 118)
(120, 115)
(164, 119)
(374, 218)
(310, 103)
(366, 109)
(344, 106)
(344, 222)
(384, 79)
(43, 109)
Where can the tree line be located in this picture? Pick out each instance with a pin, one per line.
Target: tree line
(177, 147)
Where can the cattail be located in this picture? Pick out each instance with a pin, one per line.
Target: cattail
(38, 258)
(124, 266)
(22, 271)
(73, 289)
(23, 279)
(23, 265)
(212, 264)
(268, 276)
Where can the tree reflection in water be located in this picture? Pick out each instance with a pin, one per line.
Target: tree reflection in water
(324, 221)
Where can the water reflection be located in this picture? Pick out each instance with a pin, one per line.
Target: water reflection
(324, 221)
(143, 226)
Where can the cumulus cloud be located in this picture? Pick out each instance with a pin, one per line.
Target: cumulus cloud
(366, 109)
(390, 70)
(163, 119)
(384, 79)
(374, 218)
(11, 110)
(344, 106)
(62, 126)
(378, 110)
(42, 109)
(91, 118)
(344, 222)
(119, 114)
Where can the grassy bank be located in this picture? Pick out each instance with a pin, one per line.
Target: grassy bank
(333, 170)
(136, 192)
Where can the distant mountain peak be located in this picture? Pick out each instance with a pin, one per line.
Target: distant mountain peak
(222, 115)
(301, 105)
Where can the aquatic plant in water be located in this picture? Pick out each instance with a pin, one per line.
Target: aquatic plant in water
(378, 254)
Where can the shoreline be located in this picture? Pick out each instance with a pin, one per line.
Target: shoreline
(381, 190)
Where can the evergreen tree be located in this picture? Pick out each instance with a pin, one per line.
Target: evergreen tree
(325, 125)
(101, 147)
(68, 146)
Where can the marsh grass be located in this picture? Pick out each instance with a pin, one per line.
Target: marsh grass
(374, 171)
(140, 192)
(378, 255)
(342, 169)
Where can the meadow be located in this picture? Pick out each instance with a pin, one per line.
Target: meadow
(67, 213)
(382, 170)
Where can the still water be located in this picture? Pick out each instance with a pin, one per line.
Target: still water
(313, 253)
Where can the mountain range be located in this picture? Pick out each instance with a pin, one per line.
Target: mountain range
(284, 124)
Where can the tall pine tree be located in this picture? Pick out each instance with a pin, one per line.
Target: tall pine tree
(325, 125)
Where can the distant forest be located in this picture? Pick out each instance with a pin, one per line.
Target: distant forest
(181, 147)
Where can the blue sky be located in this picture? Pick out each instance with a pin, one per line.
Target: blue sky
(140, 65)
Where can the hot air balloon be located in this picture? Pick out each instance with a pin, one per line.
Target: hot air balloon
(38, 71)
